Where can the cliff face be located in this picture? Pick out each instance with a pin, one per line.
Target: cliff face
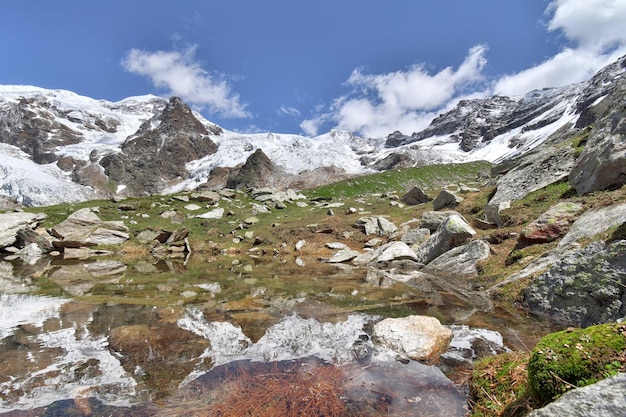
(158, 152)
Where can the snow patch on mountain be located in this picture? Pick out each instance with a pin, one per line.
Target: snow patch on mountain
(37, 185)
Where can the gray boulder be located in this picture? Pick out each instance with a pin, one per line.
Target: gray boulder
(379, 226)
(415, 237)
(415, 196)
(393, 251)
(606, 398)
(12, 223)
(446, 199)
(452, 233)
(461, 261)
(431, 220)
(585, 287)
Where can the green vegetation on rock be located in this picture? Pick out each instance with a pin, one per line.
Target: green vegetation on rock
(575, 358)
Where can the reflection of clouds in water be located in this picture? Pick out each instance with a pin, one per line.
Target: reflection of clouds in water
(64, 359)
(293, 337)
(16, 310)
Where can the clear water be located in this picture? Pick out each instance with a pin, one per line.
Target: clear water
(110, 337)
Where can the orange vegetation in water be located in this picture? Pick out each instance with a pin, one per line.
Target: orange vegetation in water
(300, 390)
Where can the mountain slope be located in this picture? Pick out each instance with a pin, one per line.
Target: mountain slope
(146, 145)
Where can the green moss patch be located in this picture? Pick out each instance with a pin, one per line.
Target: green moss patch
(575, 358)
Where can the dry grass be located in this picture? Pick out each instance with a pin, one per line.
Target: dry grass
(271, 392)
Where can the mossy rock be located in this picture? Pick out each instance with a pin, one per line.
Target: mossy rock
(575, 358)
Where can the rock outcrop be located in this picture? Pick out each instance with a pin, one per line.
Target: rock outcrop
(379, 226)
(157, 154)
(602, 163)
(84, 228)
(585, 287)
(257, 172)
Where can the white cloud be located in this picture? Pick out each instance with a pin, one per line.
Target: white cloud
(289, 111)
(181, 75)
(592, 24)
(408, 100)
(403, 100)
(596, 31)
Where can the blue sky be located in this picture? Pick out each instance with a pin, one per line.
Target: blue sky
(295, 66)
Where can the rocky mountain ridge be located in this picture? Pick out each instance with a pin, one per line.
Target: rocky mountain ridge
(55, 140)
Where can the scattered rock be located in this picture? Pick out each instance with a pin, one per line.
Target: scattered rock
(493, 212)
(192, 207)
(393, 251)
(210, 197)
(336, 245)
(431, 220)
(344, 255)
(420, 338)
(84, 226)
(217, 213)
(12, 223)
(415, 237)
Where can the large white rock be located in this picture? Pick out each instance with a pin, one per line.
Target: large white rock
(420, 338)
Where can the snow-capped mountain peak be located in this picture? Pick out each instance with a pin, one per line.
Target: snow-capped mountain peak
(57, 139)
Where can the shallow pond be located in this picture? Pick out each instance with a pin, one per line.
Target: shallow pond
(195, 336)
